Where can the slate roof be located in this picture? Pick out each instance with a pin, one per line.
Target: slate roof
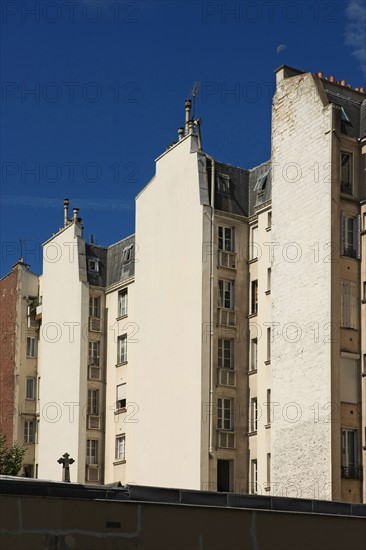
(113, 267)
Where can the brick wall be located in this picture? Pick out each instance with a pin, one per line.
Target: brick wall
(8, 294)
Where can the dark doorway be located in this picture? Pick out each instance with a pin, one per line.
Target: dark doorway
(224, 475)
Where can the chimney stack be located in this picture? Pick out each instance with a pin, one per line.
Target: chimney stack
(75, 213)
(362, 90)
(320, 75)
(331, 78)
(66, 212)
(180, 133)
(343, 82)
(187, 106)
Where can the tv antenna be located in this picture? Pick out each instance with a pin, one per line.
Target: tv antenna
(194, 94)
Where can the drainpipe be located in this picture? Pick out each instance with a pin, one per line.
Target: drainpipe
(211, 355)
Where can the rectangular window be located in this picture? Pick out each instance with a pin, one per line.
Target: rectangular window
(94, 353)
(253, 248)
(364, 291)
(349, 309)
(269, 341)
(254, 354)
(254, 297)
(268, 406)
(350, 245)
(269, 277)
(93, 265)
(31, 346)
(225, 409)
(225, 355)
(29, 429)
(350, 467)
(92, 451)
(364, 222)
(122, 349)
(268, 468)
(94, 306)
(225, 238)
(226, 294)
(364, 366)
(122, 302)
(121, 447)
(127, 254)
(269, 220)
(121, 396)
(346, 173)
(253, 476)
(93, 402)
(30, 388)
(253, 414)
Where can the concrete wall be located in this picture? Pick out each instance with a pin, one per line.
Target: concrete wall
(301, 282)
(165, 380)
(63, 363)
(43, 522)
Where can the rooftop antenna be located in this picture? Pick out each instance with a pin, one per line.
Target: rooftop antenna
(194, 94)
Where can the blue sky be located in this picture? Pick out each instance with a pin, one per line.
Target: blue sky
(93, 91)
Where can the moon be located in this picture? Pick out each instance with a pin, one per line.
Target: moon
(281, 48)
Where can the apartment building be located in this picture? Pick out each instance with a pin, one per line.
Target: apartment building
(222, 347)
(19, 328)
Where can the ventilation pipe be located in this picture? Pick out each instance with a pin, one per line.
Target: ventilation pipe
(66, 212)
(187, 106)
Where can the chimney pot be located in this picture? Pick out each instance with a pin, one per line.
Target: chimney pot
(75, 213)
(187, 106)
(331, 78)
(362, 90)
(343, 82)
(180, 133)
(320, 75)
(66, 212)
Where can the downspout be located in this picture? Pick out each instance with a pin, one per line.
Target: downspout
(210, 408)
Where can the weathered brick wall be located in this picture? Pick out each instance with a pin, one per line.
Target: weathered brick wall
(8, 293)
(301, 282)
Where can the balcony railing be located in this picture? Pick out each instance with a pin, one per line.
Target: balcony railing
(226, 317)
(346, 187)
(350, 252)
(227, 259)
(351, 472)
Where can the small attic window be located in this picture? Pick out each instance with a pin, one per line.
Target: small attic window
(344, 116)
(93, 265)
(127, 253)
(261, 183)
(223, 183)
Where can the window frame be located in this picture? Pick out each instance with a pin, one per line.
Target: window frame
(254, 297)
(32, 394)
(92, 450)
(93, 402)
(94, 358)
(223, 241)
(226, 294)
(346, 186)
(123, 300)
(95, 307)
(29, 431)
(121, 438)
(31, 349)
(225, 414)
(123, 401)
(122, 359)
(222, 360)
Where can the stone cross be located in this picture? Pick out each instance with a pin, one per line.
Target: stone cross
(66, 462)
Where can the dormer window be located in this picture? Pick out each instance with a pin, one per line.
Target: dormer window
(344, 116)
(261, 183)
(127, 254)
(93, 265)
(223, 183)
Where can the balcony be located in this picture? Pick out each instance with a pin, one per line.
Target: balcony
(351, 472)
(226, 377)
(227, 259)
(346, 187)
(226, 317)
(95, 324)
(350, 252)
(226, 439)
